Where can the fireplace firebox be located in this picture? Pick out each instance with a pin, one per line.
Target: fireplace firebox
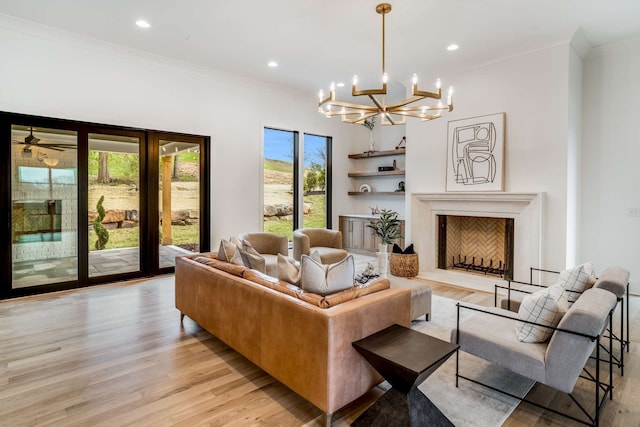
(474, 244)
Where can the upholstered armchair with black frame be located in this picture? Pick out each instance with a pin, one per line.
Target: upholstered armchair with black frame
(328, 244)
(489, 333)
(612, 279)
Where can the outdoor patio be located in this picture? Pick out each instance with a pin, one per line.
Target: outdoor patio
(108, 261)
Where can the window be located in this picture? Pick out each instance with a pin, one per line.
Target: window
(292, 198)
(315, 161)
(280, 183)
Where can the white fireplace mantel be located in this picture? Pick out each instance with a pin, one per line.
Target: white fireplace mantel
(524, 208)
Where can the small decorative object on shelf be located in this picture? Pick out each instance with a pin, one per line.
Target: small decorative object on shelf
(365, 188)
(369, 124)
(374, 211)
(402, 141)
(400, 187)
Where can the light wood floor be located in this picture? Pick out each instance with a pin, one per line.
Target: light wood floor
(118, 355)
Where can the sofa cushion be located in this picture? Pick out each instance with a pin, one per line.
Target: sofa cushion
(253, 261)
(545, 307)
(271, 264)
(321, 301)
(272, 283)
(576, 280)
(234, 269)
(288, 271)
(353, 293)
(241, 253)
(228, 252)
(326, 279)
(246, 246)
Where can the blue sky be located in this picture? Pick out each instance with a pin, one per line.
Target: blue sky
(278, 145)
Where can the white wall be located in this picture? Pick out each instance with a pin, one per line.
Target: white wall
(532, 90)
(611, 152)
(55, 74)
(574, 147)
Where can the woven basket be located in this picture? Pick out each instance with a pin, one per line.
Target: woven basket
(403, 265)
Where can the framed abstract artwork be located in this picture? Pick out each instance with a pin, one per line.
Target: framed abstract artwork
(475, 153)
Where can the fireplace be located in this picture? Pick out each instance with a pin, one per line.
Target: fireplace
(523, 242)
(477, 245)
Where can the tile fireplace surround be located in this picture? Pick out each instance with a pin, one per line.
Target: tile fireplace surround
(524, 208)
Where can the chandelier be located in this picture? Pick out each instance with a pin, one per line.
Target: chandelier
(392, 114)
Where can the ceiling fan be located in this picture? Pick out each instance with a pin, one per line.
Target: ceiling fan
(33, 141)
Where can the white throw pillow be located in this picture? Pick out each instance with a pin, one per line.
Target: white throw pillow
(577, 280)
(324, 279)
(288, 271)
(544, 307)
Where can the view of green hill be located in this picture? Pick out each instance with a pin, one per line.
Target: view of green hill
(278, 165)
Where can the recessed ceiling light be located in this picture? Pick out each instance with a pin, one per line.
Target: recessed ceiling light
(272, 64)
(340, 84)
(452, 47)
(142, 23)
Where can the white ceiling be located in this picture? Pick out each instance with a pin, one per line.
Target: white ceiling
(319, 41)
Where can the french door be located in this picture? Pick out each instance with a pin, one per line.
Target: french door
(88, 203)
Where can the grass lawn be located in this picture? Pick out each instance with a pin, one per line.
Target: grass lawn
(315, 219)
(129, 237)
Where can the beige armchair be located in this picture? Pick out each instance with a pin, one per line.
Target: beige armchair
(328, 243)
(269, 245)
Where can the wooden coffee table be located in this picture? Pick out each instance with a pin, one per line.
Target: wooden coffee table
(405, 358)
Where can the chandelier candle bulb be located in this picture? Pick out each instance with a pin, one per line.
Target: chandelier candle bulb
(438, 84)
(385, 78)
(414, 79)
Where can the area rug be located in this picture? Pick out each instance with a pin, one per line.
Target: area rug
(469, 404)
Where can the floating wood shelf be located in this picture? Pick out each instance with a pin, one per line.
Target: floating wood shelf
(369, 154)
(376, 193)
(381, 173)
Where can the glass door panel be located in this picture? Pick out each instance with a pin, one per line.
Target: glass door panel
(314, 209)
(44, 206)
(279, 184)
(178, 200)
(114, 204)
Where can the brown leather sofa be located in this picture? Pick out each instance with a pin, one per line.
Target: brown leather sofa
(305, 347)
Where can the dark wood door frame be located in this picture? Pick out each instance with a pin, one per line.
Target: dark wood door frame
(148, 203)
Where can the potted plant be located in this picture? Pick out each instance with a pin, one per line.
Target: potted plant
(387, 227)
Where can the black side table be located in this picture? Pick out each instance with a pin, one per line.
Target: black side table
(405, 358)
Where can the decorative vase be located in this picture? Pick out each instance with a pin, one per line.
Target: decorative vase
(383, 262)
(372, 146)
(383, 247)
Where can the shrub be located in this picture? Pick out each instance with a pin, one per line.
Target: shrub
(101, 232)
